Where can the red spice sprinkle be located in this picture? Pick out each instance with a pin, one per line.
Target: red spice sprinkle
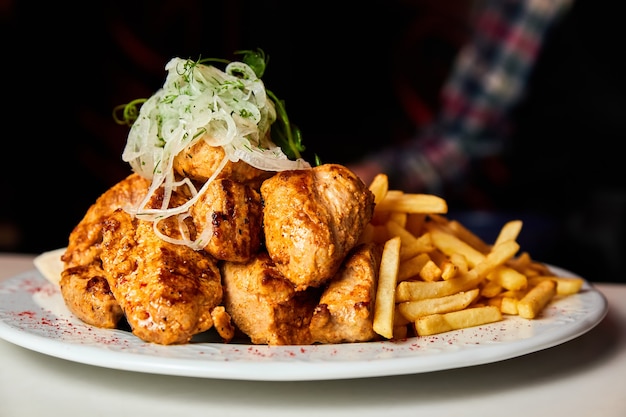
(46, 321)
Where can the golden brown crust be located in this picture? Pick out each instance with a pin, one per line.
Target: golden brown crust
(85, 239)
(83, 284)
(87, 294)
(312, 219)
(233, 213)
(264, 305)
(117, 266)
(346, 309)
(166, 291)
(200, 161)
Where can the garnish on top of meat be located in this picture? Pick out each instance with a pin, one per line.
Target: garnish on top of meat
(205, 121)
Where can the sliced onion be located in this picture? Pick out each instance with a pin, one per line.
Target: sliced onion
(229, 109)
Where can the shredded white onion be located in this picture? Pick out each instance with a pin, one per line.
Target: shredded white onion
(229, 109)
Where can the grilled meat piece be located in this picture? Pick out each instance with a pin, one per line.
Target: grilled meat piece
(87, 294)
(223, 323)
(264, 305)
(346, 309)
(85, 240)
(199, 161)
(231, 213)
(167, 291)
(312, 219)
(83, 284)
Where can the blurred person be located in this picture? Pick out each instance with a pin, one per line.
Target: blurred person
(486, 81)
(493, 151)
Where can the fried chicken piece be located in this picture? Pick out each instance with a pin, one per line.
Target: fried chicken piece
(346, 309)
(167, 291)
(199, 161)
(231, 213)
(264, 305)
(312, 219)
(83, 284)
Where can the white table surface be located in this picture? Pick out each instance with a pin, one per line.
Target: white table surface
(582, 377)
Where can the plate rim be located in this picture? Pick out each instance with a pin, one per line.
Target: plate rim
(251, 370)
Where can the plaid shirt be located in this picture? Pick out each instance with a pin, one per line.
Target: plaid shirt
(487, 79)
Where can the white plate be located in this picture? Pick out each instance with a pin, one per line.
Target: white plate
(33, 315)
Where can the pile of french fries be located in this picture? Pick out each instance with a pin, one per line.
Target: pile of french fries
(436, 275)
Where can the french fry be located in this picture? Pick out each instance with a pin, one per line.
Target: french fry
(507, 301)
(510, 231)
(419, 290)
(395, 229)
(413, 203)
(509, 305)
(535, 268)
(423, 243)
(469, 317)
(384, 306)
(521, 262)
(498, 256)
(412, 310)
(536, 299)
(460, 262)
(468, 237)
(412, 267)
(450, 244)
(448, 269)
(447, 277)
(430, 272)
(508, 278)
(439, 220)
(399, 218)
(564, 285)
(379, 187)
(491, 289)
(494, 301)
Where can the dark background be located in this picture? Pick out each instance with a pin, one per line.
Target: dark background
(350, 74)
